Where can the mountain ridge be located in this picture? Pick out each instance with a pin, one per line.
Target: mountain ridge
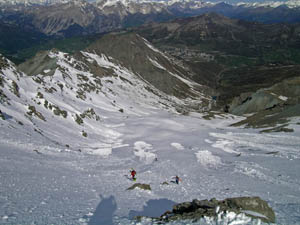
(89, 15)
(47, 23)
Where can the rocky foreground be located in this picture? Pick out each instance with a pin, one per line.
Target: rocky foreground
(253, 207)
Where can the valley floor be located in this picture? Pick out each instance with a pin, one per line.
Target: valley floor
(43, 182)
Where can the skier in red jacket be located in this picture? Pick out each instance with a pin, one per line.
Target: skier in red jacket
(133, 173)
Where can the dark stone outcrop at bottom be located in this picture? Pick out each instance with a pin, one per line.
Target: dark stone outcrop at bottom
(253, 207)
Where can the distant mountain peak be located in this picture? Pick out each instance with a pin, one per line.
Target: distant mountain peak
(29, 2)
(187, 3)
(272, 4)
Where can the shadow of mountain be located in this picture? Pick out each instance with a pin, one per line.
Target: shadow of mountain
(153, 208)
(104, 212)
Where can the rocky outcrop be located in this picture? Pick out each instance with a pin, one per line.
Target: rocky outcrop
(270, 106)
(141, 186)
(3, 63)
(281, 94)
(253, 207)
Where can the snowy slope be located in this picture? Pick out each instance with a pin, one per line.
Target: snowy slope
(74, 99)
(71, 133)
(62, 186)
(78, 95)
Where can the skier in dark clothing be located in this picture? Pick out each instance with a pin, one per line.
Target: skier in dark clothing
(177, 179)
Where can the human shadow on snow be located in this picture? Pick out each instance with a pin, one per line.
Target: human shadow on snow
(5, 116)
(104, 212)
(153, 208)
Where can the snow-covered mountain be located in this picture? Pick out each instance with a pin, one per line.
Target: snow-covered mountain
(273, 4)
(76, 92)
(72, 17)
(80, 17)
(124, 8)
(30, 2)
(192, 3)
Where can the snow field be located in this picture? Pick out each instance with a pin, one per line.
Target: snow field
(66, 185)
(177, 146)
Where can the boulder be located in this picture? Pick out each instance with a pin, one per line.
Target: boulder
(184, 207)
(141, 186)
(251, 204)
